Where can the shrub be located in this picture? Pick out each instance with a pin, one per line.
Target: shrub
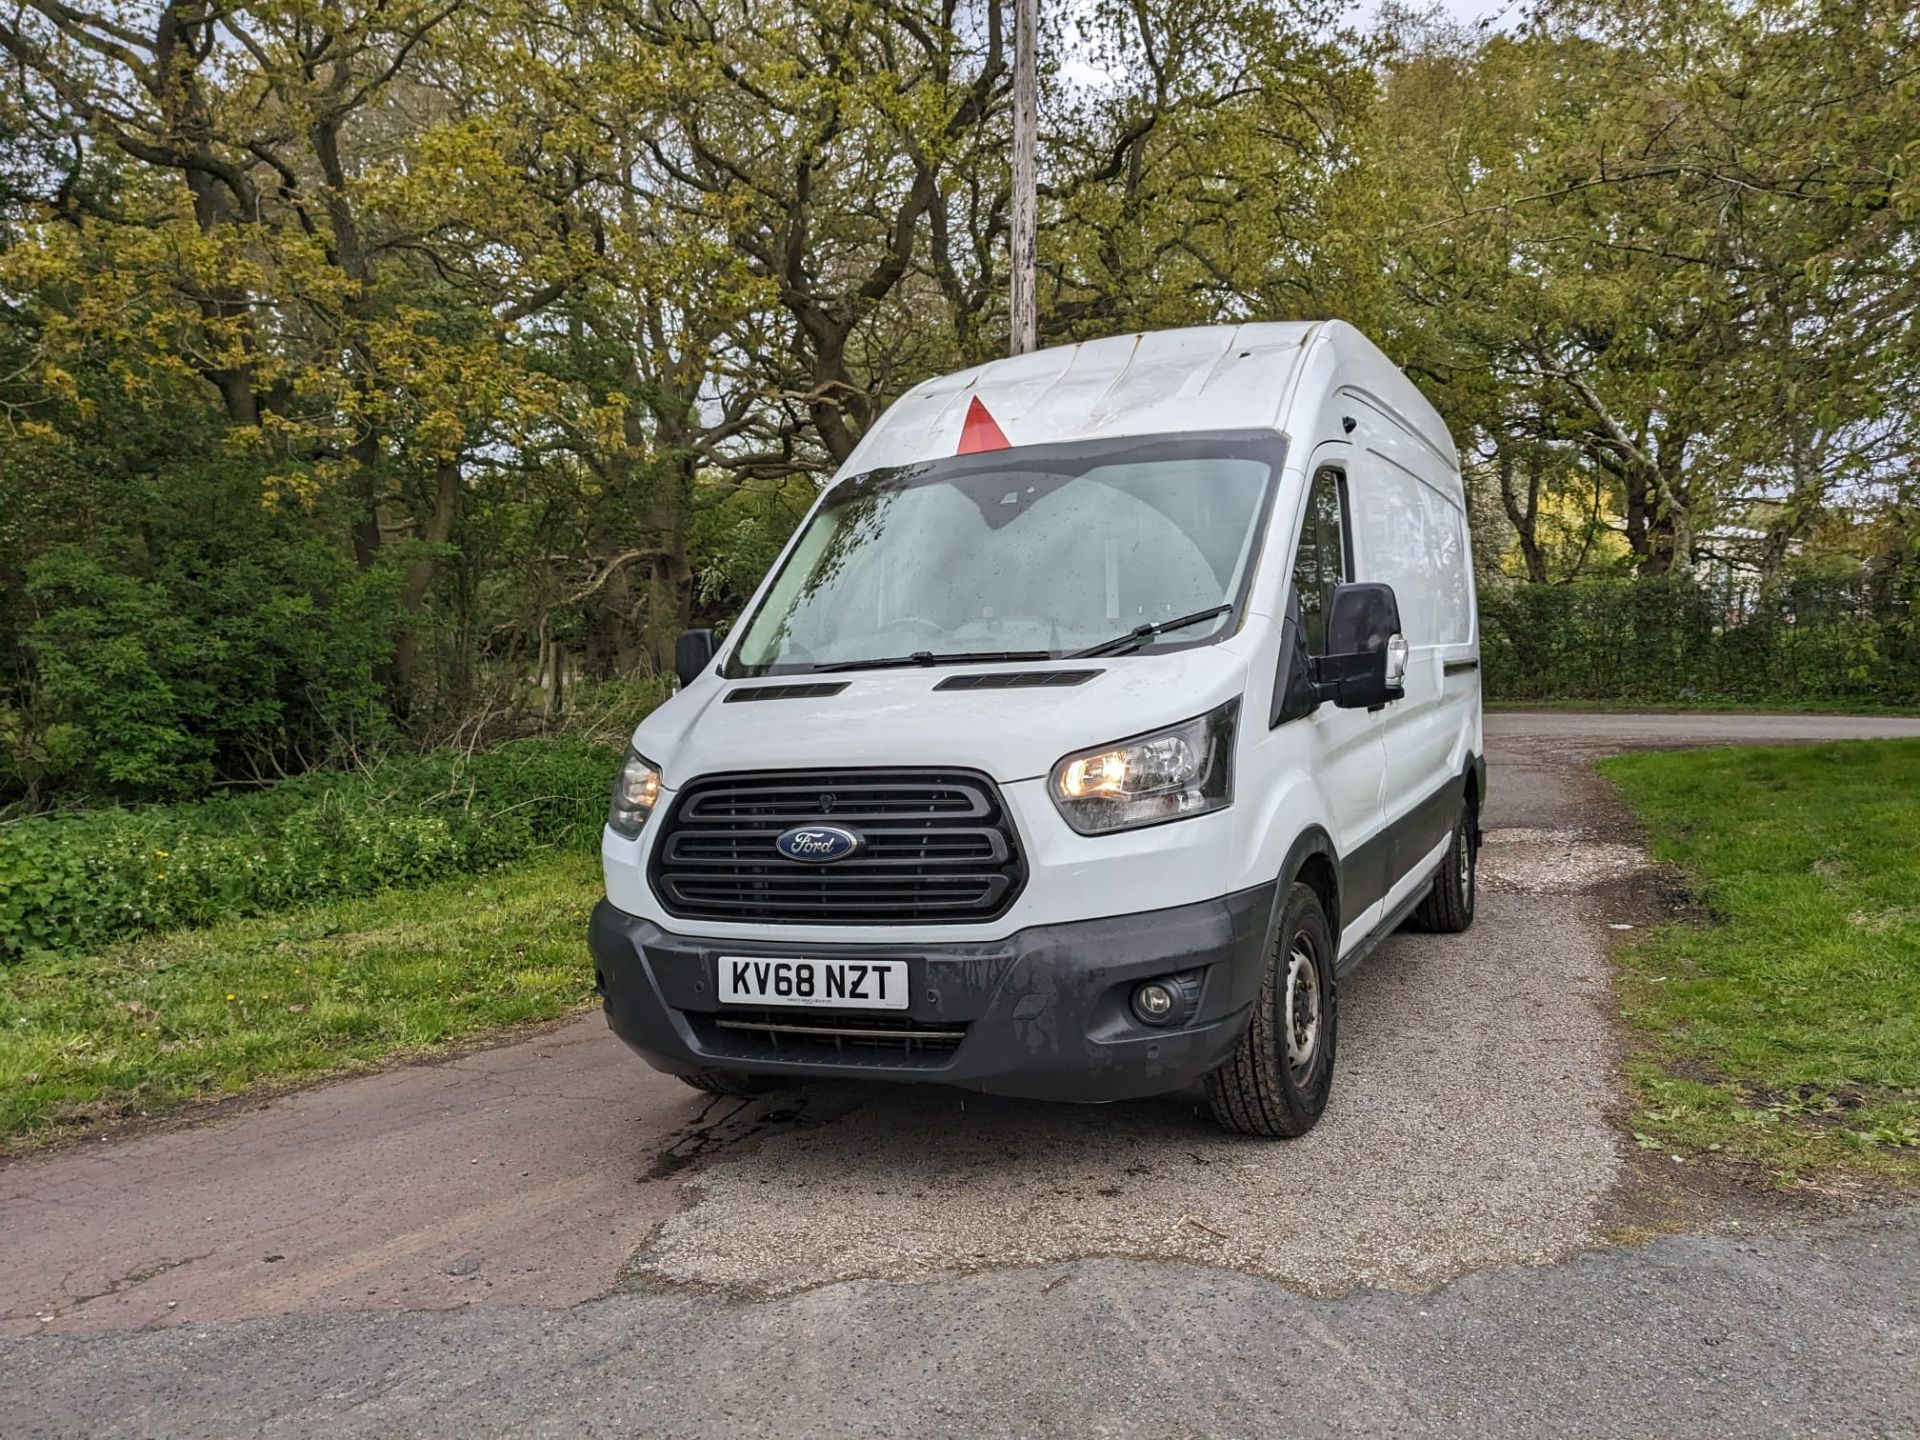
(228, 642)
(72, 883)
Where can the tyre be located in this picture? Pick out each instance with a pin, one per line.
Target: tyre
(731, 1082)
(1278, 1081)
(1448, 908)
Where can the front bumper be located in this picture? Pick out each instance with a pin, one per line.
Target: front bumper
(1043, 1013)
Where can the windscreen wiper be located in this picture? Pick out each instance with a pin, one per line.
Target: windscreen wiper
(1140, 634)
(929, 657)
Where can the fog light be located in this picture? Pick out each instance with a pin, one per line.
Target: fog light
(1153, 1002)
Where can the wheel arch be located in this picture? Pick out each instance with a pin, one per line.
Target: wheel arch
(1313, 860)
(1476, 791)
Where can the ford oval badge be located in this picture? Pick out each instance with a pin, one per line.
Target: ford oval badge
(818, 844)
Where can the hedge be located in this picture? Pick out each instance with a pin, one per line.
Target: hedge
(72, 883)
(1672, 640)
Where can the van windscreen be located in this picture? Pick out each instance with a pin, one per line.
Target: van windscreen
(1039, 551)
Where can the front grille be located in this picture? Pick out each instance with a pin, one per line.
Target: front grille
(938, 849)
(847, 1039)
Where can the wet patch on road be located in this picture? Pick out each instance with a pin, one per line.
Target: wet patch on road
(727, 1122)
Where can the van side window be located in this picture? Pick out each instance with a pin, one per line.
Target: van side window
(1321, 565)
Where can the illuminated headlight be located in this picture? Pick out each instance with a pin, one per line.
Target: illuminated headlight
(1184, 770)
(635, 792)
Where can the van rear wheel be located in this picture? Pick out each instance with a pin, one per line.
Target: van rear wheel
(1448, 908)
(1278, 1080)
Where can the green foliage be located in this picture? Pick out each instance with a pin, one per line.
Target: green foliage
(1639, 255)
(70, 884)
(1786, 1029)
(737, 535)
(1670, 640)
(223, 660)
(166, 627)
(109, 650)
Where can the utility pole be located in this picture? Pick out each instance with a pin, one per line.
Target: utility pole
(1021, 332)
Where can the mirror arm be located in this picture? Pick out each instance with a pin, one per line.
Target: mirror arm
(1328, 692)
(1342, 680)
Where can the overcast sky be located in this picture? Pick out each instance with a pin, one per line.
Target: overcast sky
(1360, 14)
(1467, 10)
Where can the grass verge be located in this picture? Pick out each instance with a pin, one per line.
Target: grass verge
(150, 1023)
(1785, 1029)
(1701, 705)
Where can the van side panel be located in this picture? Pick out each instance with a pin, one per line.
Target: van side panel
(1412, 533)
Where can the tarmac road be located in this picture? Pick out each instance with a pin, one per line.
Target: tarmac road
(575, 1245)
(1809, 1332)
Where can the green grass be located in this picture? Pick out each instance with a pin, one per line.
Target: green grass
(1785, 1029)
(1704, 705)
(147, 1024)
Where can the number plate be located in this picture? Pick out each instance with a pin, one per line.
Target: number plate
(835, 984)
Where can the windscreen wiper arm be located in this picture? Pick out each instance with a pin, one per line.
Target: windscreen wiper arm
(929, 657)
(1140, 634)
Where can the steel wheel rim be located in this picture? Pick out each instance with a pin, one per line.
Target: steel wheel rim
(1466, 866)
(1300, 1019)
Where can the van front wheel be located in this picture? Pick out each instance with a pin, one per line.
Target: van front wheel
(1278, 1080)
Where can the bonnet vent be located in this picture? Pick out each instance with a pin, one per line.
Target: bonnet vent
(1018, 680)
(812, 690)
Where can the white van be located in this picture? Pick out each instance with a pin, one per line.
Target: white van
(1107, 708)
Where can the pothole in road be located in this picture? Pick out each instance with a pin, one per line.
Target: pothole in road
(1525, 861)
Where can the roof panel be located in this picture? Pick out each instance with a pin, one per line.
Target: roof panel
(1223, 377)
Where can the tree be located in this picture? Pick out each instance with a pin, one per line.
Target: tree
(331, 224)
(1654, 236)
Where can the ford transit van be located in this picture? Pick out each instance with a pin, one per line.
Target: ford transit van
(1109, 706)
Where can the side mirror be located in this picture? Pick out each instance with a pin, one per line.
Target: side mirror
(692, 653)
(1366, 661)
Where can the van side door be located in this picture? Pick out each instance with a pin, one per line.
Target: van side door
(1345, 750)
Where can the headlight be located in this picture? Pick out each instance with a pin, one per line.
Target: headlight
(1183, 770)
(634, 793)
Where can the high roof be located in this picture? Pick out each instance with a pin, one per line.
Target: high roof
(1217, 377)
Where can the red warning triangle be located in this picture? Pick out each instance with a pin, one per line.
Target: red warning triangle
(981, 432)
